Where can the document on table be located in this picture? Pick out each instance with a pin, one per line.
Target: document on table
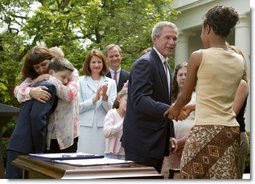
(64, 156)
(90, 162)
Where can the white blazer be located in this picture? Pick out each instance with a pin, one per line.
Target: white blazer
(89, 112)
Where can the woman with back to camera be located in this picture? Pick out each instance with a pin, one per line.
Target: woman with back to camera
(212, 148)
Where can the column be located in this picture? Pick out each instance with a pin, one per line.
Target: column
(243, 37)
(182, 49)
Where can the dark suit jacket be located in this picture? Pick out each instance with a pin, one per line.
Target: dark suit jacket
(145, 131)
(124, 75)
(29, 135)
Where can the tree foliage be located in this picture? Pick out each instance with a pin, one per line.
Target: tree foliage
(76, 26)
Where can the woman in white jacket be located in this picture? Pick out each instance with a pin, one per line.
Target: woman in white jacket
(97, 94)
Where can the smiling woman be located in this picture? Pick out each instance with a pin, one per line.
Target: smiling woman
(97, 94)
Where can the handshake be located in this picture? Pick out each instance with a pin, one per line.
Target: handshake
(177, 114)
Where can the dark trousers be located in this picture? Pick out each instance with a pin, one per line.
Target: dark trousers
(12, 172)
(54, 147)
(148, 161)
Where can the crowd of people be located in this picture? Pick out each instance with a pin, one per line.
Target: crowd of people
(187, 123)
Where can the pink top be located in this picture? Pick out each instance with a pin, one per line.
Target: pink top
(113, 131)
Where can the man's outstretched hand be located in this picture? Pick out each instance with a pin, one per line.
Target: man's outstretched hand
(177, 114)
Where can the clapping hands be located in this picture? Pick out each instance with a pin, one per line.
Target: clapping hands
(101, 92)
(104, 88)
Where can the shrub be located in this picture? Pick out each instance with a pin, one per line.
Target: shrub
(7, 131)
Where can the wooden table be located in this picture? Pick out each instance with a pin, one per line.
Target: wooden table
(38, 169)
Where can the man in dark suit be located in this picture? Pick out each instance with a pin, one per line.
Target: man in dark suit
(30, 133)
(113, 54)
(147, 134)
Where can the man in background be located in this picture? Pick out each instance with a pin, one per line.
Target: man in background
(113, 54)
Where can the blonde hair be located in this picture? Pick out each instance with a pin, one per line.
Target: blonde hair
(109, 47)
(57, 51)
(122, 92)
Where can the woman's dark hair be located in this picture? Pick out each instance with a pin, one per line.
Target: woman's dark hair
(94, 52)
(35, 56)
(221, 19)
(176, 88)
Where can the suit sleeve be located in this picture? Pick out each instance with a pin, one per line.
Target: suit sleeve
(143, 81)
(39, 118)
(171, 129)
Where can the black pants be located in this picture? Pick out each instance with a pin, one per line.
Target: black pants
(12, 172)
(148, 161)
(54, 147)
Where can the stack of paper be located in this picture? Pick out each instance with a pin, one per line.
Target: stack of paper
(90, 162)
(65, 156)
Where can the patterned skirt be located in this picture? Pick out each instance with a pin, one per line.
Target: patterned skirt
(211, 152)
